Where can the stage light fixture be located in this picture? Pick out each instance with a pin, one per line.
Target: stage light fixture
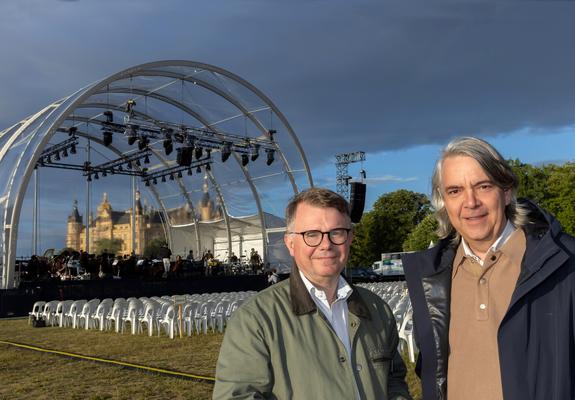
(89, 178)
(104, 173)
(163, 178)
(143, 142)
(208, 167)
(198, 170)
(72, 131)
(65, 152)
(226, 151)
(138, 163)
(73, 148)
(168, 146)
(271, 134)
(255, 152)
(171, 177)
(120, 168)
(189, 172)
(107, 137)
(245, 160)
(96, 176)
(57, 156)
(109, 116)
(131, 132)
(147, 183)
(146, 159)
(179, 174)
(270, 156)
(48, 159)
(198, 152)
(155, 181)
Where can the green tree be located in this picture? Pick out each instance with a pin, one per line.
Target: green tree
(423, 234)
(112, 246)
(386, 226)
(153, 246)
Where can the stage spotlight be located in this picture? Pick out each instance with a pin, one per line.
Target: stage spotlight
(155, 181)
(163, 178)
(199, 170)
(146, 159)
(65, 152)
(255, 152)
(131, 132)
(208, 167)
(270, 156)
(96, 176)
(168, 146)
(198, 152)
(226, 151)
(189, 172)
(104, 173)
(143, 142)
(72, 131)
(138, 163)
(107, 136)
(271, 134)
(184, 156)
(109, 116)
(147, 183)
(245, 160)
(57, 156)
(89, 178)
(73, 148)
(48, 159)
(179, 174)
(171, 177)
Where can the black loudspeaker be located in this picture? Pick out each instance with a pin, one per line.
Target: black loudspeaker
(184, 156)
(357, 201)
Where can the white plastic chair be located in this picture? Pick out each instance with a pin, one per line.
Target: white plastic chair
(37, 309)
(168, 321)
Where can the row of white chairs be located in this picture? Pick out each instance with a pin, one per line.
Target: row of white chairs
(396, 296)
(199, 312)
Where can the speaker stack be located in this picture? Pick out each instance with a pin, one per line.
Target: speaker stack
(357, 200)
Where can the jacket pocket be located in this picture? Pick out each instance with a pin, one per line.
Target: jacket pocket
(380, 356)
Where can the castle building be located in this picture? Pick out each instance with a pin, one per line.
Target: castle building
(110, 224)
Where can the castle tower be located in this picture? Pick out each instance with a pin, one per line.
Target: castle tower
(74, 228)
(104, 225)
(140, 239)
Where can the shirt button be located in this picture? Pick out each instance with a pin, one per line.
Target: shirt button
(353, 324)
(482, 306)
(493, 258)
(358, 368)
(341, 359)
(483, 281)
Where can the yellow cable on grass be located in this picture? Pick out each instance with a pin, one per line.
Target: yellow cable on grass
(113, 362)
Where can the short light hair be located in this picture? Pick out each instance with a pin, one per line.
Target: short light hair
(494, 166)
(317, 197)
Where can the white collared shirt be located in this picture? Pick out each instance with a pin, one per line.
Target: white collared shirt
(507, 231)
(337, 314)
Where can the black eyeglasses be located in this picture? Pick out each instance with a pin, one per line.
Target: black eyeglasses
(313, 238)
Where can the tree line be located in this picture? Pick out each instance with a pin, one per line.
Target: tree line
(403, 220)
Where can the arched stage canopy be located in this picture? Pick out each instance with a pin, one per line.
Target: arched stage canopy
(178, 121)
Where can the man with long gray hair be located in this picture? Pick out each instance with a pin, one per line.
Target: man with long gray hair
(494, 300)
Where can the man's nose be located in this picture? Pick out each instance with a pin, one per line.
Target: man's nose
(325, 242)
(471, 200)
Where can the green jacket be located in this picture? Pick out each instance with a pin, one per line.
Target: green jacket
(280, 346)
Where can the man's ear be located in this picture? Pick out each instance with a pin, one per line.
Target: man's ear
(288, 240)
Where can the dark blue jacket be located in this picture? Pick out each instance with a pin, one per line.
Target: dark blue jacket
(537, 334)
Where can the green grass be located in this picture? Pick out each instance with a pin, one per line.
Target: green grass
(26, 374)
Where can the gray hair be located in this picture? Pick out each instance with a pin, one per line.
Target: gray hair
(495, 167)
(317, 197)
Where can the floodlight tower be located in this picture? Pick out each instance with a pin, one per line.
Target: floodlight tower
(342, 161)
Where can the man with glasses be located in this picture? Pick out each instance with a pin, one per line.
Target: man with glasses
(313, 336)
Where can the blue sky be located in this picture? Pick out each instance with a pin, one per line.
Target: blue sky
(396, 79)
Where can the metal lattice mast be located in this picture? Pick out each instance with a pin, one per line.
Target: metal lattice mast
(342, 176)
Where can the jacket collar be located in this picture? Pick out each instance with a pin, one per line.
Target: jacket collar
(302, 303)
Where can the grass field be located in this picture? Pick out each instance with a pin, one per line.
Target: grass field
(26, 374)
